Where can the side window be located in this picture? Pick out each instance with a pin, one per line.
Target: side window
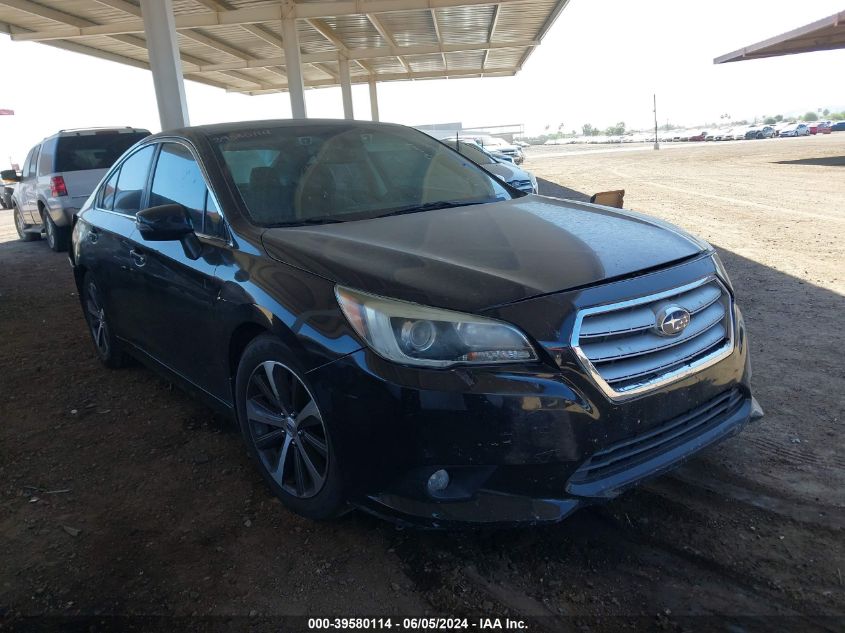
(214, 225)
(45, 160)
(178, 180)
(132, 180)
(106, 197)
(33, 161)
(28, 162)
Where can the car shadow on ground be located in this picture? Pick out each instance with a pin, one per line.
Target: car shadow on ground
(554, 190)
(162, 513)
(822, 161)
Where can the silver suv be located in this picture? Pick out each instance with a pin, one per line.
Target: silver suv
(58, 176)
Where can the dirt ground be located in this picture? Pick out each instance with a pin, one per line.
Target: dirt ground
(121, 496)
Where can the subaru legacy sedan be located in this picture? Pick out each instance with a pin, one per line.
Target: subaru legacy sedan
(396, 330)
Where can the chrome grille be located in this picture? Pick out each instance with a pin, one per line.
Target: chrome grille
(621, 347)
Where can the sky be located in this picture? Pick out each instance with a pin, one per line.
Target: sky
(600, 64)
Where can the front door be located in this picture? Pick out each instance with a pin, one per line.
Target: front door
(27, 200)
(174, 294)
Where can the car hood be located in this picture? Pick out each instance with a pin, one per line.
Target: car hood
(507, 171)
(474, 257)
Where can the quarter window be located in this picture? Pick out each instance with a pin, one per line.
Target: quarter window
(45, 160)
(132, 180)
(107, 192)
(214, 224)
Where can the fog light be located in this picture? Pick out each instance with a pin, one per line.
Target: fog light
(438, 481)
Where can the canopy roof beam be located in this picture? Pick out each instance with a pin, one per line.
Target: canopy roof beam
(359, 79)
(363, 54)
(385, 34)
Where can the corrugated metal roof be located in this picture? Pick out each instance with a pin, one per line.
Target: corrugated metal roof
(237, 44)
(823, 35)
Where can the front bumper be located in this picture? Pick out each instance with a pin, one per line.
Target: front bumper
(522, 444)
(492, 507)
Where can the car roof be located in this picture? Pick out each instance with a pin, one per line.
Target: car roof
(92, 131)
(220, 129)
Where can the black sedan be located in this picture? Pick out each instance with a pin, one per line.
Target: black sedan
(395, 329)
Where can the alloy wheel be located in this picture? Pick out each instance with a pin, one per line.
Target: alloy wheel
(97, 320)
(287, 430)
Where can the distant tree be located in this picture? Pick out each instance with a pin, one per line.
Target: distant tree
(825, 112)
(778, 118)
(837, 116)
(810, 116)
(589, 130)
(616, 130)
(770, 120)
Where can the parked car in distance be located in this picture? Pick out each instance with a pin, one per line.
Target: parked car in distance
(698, 135)
(394, 328)
(839, 126)
(735, 134)
(498, 146)
(8, 179)
(503, 169)
(795, 129)
(822, 127)
(781, 126)
(759, 132)
(60, 173)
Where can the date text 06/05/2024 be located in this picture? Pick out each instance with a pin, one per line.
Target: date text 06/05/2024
(417, 624)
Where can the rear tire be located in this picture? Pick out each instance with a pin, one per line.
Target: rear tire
(106, 345)
(285, 432)
(56, 238)
(21, 225)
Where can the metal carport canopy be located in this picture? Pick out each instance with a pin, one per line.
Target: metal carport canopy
(822, 35)
(265, 46)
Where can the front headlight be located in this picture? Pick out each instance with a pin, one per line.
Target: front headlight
(412, 334)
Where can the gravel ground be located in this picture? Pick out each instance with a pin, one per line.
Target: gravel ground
(121, 496)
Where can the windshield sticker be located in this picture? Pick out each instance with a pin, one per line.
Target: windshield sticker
(239, 136)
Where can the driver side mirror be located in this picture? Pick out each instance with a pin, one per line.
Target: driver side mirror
(10, 174)
(169, 222)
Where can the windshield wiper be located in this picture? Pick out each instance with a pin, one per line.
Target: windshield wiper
(432, 206)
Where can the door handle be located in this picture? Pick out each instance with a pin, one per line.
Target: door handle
(139, 259)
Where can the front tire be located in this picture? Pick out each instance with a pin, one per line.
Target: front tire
(21, 226)
(285, 432)
(106, 345)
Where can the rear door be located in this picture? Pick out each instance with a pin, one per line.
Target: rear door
(112, 217)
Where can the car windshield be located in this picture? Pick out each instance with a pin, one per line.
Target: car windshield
(472, 151)
(93, 151)
(333, 172)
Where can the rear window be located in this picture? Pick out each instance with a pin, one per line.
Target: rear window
(93, 151)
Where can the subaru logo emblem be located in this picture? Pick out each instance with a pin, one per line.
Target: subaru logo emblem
(672, 320)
